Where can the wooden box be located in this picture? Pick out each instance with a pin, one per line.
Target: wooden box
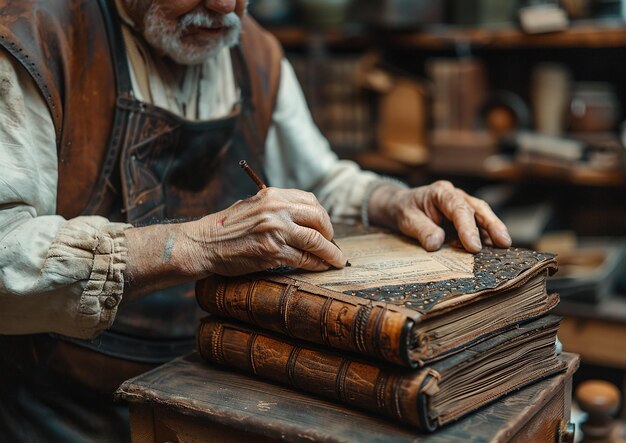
(188, 400)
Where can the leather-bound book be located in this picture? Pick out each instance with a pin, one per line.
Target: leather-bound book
(425, 398)
(396, 302)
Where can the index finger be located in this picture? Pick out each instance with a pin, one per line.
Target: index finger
(311, 241)
(303, 208)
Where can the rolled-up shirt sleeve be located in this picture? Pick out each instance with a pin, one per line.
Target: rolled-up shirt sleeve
(56, 275)
(299, 156)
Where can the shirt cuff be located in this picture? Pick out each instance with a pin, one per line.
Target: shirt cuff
(94, 251)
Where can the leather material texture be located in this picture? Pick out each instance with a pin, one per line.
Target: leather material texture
(130, 161)
(67, 48)
(396, 393)
(63, 46)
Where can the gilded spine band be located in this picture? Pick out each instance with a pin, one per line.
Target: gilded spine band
(359, 326)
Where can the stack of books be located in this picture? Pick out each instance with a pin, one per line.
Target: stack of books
(421, 338)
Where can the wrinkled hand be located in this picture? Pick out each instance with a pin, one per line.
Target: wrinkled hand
(276, 227)
(419, 213)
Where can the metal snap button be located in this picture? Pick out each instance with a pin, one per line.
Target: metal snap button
(110, 302)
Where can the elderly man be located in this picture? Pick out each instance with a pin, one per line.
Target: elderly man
(121, 125)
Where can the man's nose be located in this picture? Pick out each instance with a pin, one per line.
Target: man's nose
(221, 6)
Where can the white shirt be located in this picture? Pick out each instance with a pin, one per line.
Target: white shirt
(67, 276)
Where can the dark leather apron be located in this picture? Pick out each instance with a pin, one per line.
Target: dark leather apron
(158, 167)
(59, 389)
(170, 169)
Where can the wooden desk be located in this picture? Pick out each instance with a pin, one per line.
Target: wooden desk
(187, 400)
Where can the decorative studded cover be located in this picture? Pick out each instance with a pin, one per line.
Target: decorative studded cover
(396, 302)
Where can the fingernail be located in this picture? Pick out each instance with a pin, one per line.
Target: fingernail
(475, 241)
(506, 236)
(432, 242)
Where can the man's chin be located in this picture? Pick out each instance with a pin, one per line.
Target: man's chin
(194, 56)
(195, 48)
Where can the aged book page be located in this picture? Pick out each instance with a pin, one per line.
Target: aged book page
(379, 258)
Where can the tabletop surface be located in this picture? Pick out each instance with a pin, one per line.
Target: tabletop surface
(192, 387)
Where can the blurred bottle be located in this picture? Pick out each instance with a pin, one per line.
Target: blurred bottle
(550, 91)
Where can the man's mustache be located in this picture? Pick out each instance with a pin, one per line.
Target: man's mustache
(201, 19)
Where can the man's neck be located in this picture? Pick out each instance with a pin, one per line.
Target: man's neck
(175, 70)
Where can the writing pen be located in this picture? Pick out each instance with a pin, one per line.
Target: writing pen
(255, 178)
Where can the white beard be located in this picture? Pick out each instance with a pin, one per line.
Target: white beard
(166, 36)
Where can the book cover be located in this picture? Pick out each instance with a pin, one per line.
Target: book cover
(396, 302)
(425, 398)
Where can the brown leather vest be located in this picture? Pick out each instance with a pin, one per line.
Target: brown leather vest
(65, 46)
(122, 158)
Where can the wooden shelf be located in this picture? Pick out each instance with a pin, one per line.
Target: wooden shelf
(503, 168)
(498, 167)
(298, 36)
(584, 34)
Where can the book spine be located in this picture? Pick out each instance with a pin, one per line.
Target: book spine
(360, 326)
(394, 393)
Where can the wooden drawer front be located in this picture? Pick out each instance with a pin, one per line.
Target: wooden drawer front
(544, 425)
(160, 425)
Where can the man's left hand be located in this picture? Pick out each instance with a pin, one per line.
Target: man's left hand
(419, 213)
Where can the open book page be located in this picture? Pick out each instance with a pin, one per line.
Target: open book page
(384, 259)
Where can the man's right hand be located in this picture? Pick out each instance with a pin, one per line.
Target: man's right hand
(276, 227)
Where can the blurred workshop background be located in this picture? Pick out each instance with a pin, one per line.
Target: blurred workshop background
(521, 102)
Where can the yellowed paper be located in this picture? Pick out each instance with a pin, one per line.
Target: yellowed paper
(385, 259)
